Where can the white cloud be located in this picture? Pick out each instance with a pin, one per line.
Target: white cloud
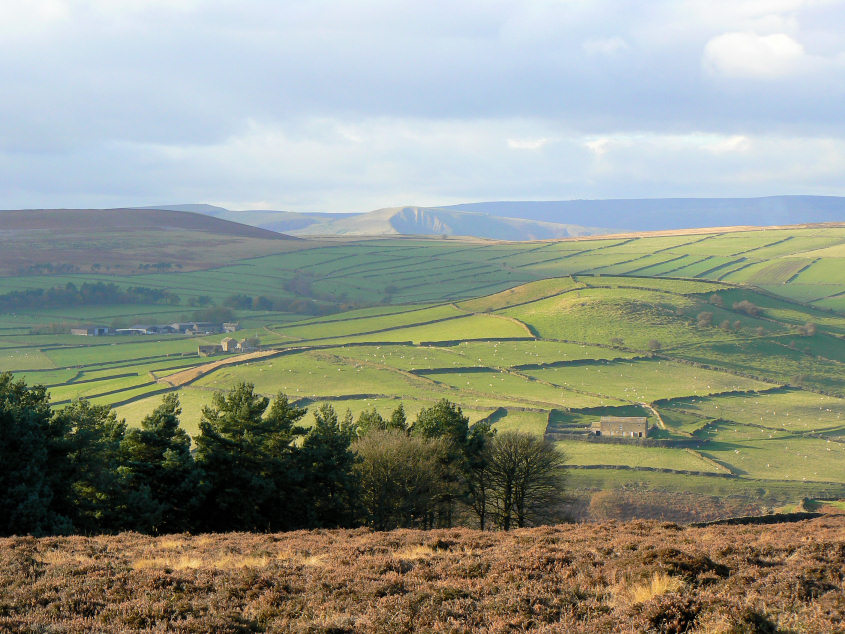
(605, 46)
(735, 143)
(527, 144)
(752, 56)
(598, 146)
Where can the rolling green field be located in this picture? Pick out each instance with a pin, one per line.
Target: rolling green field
(534, 336)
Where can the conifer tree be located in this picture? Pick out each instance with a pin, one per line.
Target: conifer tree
(26, 438)
(89, 482)
(161, 475)
(328, 461)
(250, 476)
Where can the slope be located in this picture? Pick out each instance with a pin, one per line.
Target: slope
(436, 221)
(410, 220)
(71, 240)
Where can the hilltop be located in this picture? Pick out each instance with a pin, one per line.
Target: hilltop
(610, 577)
(67, 239)
(409, 220)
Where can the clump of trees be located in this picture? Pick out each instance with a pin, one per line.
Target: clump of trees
(807, 330)
(255, 466)
(749, 308)
(88, 294)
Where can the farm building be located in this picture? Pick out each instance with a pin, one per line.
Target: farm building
(624, 426)
(228, 344)
(231, 326)
(196, 327)
(247, 345)
(208, 351)
(135, 330)
(91, 331)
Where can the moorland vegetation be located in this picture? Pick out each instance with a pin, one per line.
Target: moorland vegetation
(640, 576)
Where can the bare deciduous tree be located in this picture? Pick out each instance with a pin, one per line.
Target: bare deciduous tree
(526, 478)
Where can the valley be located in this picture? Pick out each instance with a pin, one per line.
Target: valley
(731, 343)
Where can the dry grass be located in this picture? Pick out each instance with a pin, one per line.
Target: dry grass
(641, 576)
(631, 593)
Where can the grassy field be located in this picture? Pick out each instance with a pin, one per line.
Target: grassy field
(556, 330)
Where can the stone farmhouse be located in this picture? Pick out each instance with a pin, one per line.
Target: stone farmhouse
(621, 426)
(228, 346)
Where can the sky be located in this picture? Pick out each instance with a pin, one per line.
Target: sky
(353, 105)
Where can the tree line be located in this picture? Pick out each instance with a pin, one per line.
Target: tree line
(87, 294)
(255, 466)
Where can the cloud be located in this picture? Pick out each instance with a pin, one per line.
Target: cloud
(598, 146)
(751, 56)
(735, 143)
(605, 46)
(527, 144)
(316, 105)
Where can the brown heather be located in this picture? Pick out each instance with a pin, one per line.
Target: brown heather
(610, 577)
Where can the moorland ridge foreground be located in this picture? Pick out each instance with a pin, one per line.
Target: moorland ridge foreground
(609, 577)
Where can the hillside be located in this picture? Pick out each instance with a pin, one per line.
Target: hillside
(433, 221)
(400, 221)
(272, 220)
(613, 577)
(655, 214)
(74, 239)
(731, 343)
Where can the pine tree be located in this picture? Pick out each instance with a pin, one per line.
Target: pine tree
(161, 475)
(328, 462)
(26, 440)
(251, 478)
(89, 485)
(370, 421)
(398, 420)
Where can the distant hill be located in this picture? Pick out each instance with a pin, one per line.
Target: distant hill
(656, 214)
(399, 220)
(436, 221)
(127, 239)
(104, 220)
(270, 219)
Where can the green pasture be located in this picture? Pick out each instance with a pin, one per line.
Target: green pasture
(779, 457)
(515, 387)
(24, 359)
(327, 329)
(770, 490)
(586, 313)
(522, 420)
(587, 453)
(645, 381)
(406, 357)
(794, 410)
(516, 353)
